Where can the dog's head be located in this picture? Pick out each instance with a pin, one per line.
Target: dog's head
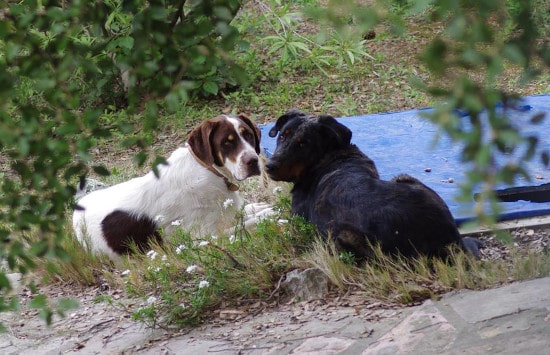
(228, 144)
(303, 142)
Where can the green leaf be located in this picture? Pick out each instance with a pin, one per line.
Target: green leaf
(514, 54)
(126, 42)
(38, 302)
(66, 304)
(210, 87)
(4, 282)
(545, 158)
(101, 170)
(434, 56)
(538, 118)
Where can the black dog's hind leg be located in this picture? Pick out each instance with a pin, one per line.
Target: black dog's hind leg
(349, 240)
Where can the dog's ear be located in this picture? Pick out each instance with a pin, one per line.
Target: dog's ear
(255, 129)
(281, 121)
(199, 141)
(341, 132)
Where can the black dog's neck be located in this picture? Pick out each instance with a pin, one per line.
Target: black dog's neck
(349, 153)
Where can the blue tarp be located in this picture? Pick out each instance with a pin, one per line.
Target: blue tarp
(405, 142)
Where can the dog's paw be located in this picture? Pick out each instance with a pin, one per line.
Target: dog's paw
(258, 209)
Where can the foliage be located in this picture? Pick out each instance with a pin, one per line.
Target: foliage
(60, 69)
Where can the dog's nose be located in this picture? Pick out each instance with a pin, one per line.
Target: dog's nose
(252, 162)
(271, 165)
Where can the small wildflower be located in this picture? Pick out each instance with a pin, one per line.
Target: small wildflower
(125, 273)
(228, 203)
(232, 238)
(164, 257)
(180, 248)
(277, 190)
(177, 222)
(204, 243)
(214, 237)
(152, 254)
(151, 300)
(204, 284)
(153, 269)
(282, 222)
(191, 268)
(159, 218)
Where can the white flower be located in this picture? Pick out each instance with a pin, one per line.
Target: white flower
(180, 248)
(204, 243)
(204, 284)
(191, 268)
(159, 218)
(228, 203)
(151, 300)
(125, 273)
(232, 238)
(177, 222)
(214, 237)
(152, 254)
(164, 257)
(282, 222)
(277, 190)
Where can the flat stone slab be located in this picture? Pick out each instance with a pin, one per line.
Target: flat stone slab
(477, 306)
(513, 319)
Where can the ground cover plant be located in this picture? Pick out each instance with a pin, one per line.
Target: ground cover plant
(80, 114)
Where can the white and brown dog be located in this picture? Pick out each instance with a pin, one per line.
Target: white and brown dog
(196, 190)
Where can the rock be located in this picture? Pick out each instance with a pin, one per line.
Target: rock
(306, 285)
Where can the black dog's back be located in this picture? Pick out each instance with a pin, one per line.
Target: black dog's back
(403, 215)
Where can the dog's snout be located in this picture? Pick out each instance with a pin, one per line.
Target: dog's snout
(271, 165)
(251, 161)
(250, 164)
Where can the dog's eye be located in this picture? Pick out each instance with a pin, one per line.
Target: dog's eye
(282, 137)
(248, 136)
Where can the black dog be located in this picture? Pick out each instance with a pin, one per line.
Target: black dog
(338, 189)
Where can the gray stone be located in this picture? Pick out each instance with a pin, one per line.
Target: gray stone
(306, 285)
(479, 306)
(323, 345)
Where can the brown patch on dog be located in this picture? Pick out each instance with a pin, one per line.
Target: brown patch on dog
(121, 229)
